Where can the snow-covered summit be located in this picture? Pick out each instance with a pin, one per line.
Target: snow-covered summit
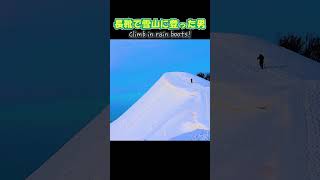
(182, 80)
(171, 107)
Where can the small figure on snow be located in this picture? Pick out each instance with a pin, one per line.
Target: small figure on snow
(261, 60)
(191, 80)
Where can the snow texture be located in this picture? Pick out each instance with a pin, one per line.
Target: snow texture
(196, 135)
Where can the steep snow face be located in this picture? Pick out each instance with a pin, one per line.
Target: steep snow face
(171, 107)
(265, 121)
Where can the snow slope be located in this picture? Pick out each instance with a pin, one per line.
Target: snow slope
(265, 122)
(171, 107)
(85, 156)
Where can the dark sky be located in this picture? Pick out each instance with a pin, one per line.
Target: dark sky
(265, 18)
(49, 47)
(53, 77)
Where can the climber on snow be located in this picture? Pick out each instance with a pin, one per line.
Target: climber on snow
(261, 60)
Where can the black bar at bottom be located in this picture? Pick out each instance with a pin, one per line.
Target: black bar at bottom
(160, 160)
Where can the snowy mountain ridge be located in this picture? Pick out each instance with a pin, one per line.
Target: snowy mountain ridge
(171, 107)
